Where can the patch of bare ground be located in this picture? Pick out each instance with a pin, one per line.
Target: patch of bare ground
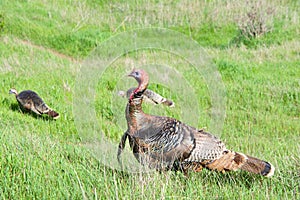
(54, 52)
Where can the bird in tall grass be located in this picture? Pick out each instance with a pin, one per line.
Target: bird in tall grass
(165, 143)
(30, 101)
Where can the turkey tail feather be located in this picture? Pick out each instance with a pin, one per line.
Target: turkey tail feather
(258, 166)
(231, 160)
(53, 114)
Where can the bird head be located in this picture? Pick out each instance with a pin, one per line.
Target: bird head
(142, 78)
(138, 74)
(13, 91)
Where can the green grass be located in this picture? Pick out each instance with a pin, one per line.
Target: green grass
(42, 46)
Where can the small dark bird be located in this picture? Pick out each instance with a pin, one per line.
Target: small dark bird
(149, 96)
(30, 101)
(164, 143)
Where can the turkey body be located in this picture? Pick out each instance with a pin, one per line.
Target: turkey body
(30, 101)
(164, 143)
(150, 97)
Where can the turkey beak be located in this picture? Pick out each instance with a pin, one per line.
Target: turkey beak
(130, 75)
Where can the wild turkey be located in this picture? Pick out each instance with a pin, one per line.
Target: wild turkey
(148, 96)
(30, 101)
(165, 143)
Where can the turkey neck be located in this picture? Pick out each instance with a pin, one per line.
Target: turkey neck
(134, 112)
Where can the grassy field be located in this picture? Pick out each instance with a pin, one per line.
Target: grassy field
(43, 45)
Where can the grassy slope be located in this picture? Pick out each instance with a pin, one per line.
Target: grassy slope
(41, 46)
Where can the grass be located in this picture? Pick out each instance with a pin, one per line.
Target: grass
(43, 46)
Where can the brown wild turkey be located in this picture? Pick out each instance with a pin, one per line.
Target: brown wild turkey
(165, 143)
(30, 101)
(148, 96)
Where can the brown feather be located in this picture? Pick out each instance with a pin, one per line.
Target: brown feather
(53, 114)
(257, 166)
(228, 161)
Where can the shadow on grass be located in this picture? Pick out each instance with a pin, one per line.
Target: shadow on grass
(207, 177)
(16, 108)
(237, 178)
